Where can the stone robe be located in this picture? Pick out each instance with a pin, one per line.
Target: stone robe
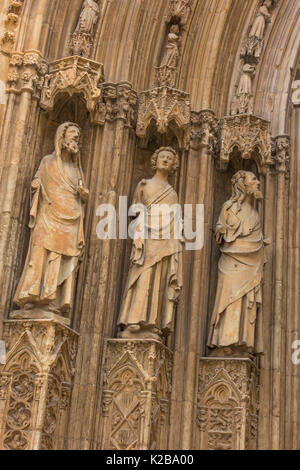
(155, 277)
(259, 25)
(57, 239)
(88, 17)
(171, 54)
(236, 319)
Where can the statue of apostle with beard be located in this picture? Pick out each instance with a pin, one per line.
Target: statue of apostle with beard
(236, 320)
(57, 240)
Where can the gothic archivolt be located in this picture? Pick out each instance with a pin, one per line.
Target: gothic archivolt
(203, 95)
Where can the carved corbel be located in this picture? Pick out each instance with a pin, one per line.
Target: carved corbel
(281, 150)
(74, 76)
(26, 73)
(119, 102)
(250, 136)
(204, 131)
(167, 109)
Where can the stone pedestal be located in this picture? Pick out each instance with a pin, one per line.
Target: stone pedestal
(227, 412)
(136, 395)
(35, 384)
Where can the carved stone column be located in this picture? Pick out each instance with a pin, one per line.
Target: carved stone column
(36, 384)
(136, 395)
(227, 412)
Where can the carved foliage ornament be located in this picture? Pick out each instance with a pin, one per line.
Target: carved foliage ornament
(26, 73)
(11, 22)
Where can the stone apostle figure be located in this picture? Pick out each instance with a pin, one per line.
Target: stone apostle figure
(236, 319)
(155, 277)
(56, 222)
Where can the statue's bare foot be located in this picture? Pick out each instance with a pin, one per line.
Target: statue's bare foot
(134, 328)
(28, 306)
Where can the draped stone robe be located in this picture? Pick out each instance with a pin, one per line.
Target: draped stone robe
(236, 319)
(155, 277)
(57, 239)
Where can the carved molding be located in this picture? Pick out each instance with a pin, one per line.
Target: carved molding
(227, 411)
(204, 131)
(38, 377)
(249, 135)
(11, 23)
(136, 394)
(26, 73)
(166, 108)
(71, 76)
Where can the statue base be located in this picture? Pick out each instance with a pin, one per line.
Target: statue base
(136, 394)
(36, 383)
(228, 402)
(38, 314)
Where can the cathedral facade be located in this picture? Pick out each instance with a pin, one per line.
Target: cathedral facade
(124, 326)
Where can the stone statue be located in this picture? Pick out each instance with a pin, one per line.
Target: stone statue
(243, 100)
(56, 223)
(236, 319)
(171, 53)
(155, 277)
(88, 17)
(259, 25)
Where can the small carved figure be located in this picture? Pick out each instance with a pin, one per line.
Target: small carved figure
(88, 17)
(263, 17)
(236, 319)
(171, 54)
(56, 222)
(155, 279)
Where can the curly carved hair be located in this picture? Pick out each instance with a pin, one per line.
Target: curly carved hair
(162, 149)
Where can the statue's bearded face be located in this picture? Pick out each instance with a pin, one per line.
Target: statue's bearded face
(165, 161)
(71, 140)
(252, 186)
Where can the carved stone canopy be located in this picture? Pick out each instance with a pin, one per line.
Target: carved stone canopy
(250, 136)
(74, 75)
(164, 109)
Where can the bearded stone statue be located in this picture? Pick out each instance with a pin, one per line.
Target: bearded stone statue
(57, 239)
(155, 278)
(236, 320)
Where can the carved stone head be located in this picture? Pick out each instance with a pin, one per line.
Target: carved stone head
(245, 183)
(67, 137)
(165, 158)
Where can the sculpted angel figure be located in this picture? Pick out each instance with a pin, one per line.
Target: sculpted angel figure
(171, 53)
(236, 319)
(155, 278)
(88, 17)
(56, 223)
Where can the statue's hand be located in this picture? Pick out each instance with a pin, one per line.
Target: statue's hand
(83, 192)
